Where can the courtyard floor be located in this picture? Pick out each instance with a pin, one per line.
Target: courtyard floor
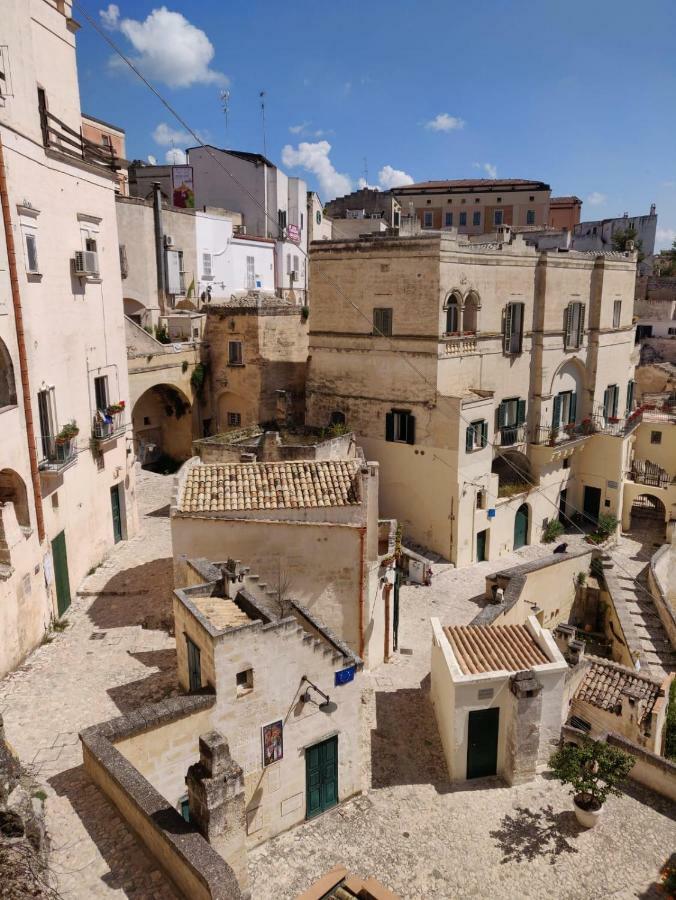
(409, 829)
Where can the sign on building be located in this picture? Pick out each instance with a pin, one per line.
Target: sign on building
(183, 187)
(293, 233)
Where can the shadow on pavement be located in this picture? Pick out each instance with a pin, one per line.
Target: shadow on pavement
(141, 596)
(527, 835)
(153, 688)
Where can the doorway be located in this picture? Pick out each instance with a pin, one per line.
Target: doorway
(563, 507)
(481, 541)
(116, 508)
(321, 775)
(61, 578)
(482, 742)
(591, 504)
(521, 526)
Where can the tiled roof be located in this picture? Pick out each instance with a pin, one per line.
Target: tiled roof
(473, 184)
(277, 485)
(482, 648)
(606, 685)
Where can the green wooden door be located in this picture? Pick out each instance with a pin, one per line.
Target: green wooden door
(321, 773)
(61, 579)
(482, 742)
(481, 546)
(117, 512)
(592, 504)
(521, 527)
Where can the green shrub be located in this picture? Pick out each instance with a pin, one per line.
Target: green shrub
(304, 313)
(198, 377)
(162, 334)
(670, 725)
(607, 524)
(581, 579)
(553, 530)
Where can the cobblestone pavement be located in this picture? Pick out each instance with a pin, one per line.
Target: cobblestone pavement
(104, 663)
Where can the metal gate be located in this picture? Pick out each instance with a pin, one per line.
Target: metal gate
(648, 507)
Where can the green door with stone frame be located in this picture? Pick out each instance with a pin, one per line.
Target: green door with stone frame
(61, 577)
(321, 774)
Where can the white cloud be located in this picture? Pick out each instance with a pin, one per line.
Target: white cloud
(391, 178)
(444, 122)
(489, 169)
(596, 198)
(363, 183)
(669, 184)
(315, 158)
(152, 159)
(665, 238)
(168, 47)
(298, 129)
(110, 16)
(164, 135)
(175, 156)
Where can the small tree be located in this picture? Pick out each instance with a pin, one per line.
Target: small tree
(594, 770)
(622, 235)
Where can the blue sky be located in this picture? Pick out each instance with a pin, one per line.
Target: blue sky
(581, 95)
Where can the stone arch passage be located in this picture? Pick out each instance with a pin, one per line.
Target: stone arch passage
(13, 490)
(162, 423)
(514, 473)
(7, 383)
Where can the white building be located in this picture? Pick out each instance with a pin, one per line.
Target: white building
(66, 481)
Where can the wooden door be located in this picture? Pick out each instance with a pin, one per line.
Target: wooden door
(481, 546)
(117, 512)
(482, 742)
(61, 578)
(592, 504)
(521, 527)
(321, 770)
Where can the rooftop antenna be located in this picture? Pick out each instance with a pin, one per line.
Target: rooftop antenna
(225, 103)
(262, 96)
(366, 172)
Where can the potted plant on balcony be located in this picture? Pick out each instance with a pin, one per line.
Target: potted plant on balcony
(553, 435)
(594, 770)
(114, 408)
(67, 433)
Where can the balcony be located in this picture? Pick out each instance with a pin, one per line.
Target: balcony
(564, 434)
(510, 435)
(645, 472)
(56, 135)
(108, 427)
(58, 453)
(458, 344)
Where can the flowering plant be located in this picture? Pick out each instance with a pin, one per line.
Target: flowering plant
(113, 408)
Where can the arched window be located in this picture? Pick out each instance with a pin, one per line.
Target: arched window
(7, 385)
(453, 315)
(470, 315)
(337, 417)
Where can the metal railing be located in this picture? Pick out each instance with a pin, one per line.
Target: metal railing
(509, 435)
(645, 472)
(57, 453)
(107, 426)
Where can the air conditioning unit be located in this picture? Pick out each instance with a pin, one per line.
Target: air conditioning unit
(293, 275)
(168, 240)
(86, 262)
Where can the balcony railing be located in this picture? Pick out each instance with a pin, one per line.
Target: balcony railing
(509, 435)
(106, 426)
(458, 344)
(645, 472)
(59, 136)
(57, 454)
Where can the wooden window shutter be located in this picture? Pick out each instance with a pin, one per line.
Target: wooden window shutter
(580, 324)
(484, 434)
(469, 439)
(630, 395)
(389, 426)
(520, 412)
(410, 429)
(507, 328)
(556, 412)
(616, 398)
(502, 415)
(568, 326)
(572, 414)
(521, 315)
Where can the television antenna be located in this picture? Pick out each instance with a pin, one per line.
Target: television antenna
(224, 97)
(262, 96)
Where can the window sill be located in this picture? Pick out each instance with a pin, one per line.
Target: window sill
(233, 365)
(10, 406)
(244, 692)
(35, 277)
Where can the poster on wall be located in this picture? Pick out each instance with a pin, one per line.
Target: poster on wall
(273, 742)
(183, 188)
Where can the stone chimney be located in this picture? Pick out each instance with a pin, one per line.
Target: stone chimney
(217, 807)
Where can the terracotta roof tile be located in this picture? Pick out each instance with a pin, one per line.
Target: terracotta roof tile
(606, 685)
(483, 648)
(278, 485)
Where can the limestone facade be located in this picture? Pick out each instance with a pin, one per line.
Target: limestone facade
(485, 378)
(66, 493)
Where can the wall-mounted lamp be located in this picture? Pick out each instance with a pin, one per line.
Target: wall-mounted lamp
(328, 706)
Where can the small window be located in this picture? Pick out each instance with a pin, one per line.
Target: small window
(382, 321)
(611, 398)
(617, 313)
(184, 808)
(476, 436)
(530, 217)
(146, 420)
(90, 244)
(476, 218)
(449, 219)
(250, 273)
(428, 202)
(337, 417)
(400, 426)
(31, 253)
(574, 326)
(671, 331)
(655, 437)
(318, 218)
(235, 353)
(234, 419)
(463, 218)
(498, 216)
(245, 682)
(105, 140)
(124, 264)
(499, 199)
(531, 199)
(463, 200)
(477, 200)
(207, 267)
(428, 219)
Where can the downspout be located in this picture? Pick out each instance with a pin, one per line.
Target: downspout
(21, 344)
(159, 245)
(362, 548)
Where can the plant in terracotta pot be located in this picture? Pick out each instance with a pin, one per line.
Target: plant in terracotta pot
(594, 770)
(67, 433)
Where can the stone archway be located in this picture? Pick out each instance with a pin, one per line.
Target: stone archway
(13, 490)
(514, 472)
(135, 310)
(648, 516)
(7, 383)
(162, 423)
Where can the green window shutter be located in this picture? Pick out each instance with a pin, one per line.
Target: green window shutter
(518, 328)
(580, 324)
(568, 326)
(616, 398)
(484, 434)
(630, 395)
(556, 413)
(572, 416)
(502, 415)
(410, 429)
(389, 426)
(520, 412)
(507, 328)
(469, 439)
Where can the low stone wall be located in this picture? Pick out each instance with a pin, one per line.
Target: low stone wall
(660, 569)
(186, 858)
(626, 639)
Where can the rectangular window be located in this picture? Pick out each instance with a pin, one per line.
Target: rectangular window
(428, 220)
(281, 219)
(101, 396)
(617, 313)
(511, 412)
(382, 321)
(235, 353)
(31, 243)
(476, 436)
(610, 402)
(513, 328)
(124, 264)
(234, 420)
(565, 409)
(655, 437)
(463, 219)
(498, 216)
(630, 395)
(296, 267)
(244, 681)
(671, 331)
(449, 220)
(194, 666)
(476, 218)
(207, 267)
(400, 426)
(574, 326)
(250, 273)
(530, 217)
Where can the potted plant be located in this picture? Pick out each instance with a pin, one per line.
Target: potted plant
(114, 408)
(594, 770)
(67, 433)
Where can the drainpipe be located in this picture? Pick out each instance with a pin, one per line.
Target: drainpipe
(362, 549)
(159, 244)
(21, 343)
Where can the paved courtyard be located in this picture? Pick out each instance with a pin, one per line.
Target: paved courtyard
(409, 829)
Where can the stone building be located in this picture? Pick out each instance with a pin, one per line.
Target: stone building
(476, 205)
(112, 141)
(266, 735)
(564, 212)
(309, 530)
(320, 226)
(66, 479)
(497, 693)
(365, 205)
(649, 486)
(597, 235)
(491, 382)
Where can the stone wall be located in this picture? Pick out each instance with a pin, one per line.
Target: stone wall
(661, 581)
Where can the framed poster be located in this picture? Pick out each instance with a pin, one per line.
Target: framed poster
(273, 742)
(182, 186)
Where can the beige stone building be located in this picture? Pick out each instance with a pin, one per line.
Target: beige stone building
(110, 140)
(491, 382)
(307, 527)
(649, 489)
(66, 478)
